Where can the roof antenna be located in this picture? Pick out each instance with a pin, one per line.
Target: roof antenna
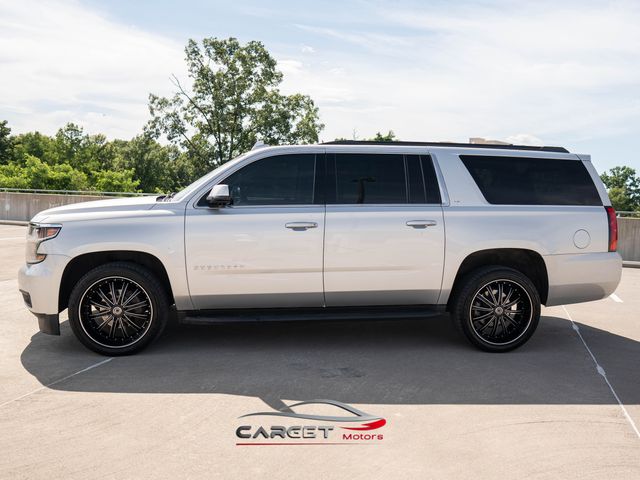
(259, 144)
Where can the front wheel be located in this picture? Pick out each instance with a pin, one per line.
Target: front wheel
(118, 309)
(497, 309)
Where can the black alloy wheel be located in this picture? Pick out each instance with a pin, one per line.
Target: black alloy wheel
(115, 312)
(496, 308)
(118, 308)
(501, 311)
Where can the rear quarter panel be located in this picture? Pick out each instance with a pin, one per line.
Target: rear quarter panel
(472, 224)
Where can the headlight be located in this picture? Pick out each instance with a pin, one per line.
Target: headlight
(37, 234)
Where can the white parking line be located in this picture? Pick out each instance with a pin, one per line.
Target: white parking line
(615, 298)
(601, 371)
(57, 381)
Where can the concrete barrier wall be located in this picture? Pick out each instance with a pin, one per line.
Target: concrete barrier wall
(629, 238)
(23, 207)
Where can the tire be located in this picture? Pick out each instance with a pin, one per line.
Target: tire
(118, 309)
(496, 308)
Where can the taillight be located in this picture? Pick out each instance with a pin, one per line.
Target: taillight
(613, 229)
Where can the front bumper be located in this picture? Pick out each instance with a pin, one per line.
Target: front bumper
(49, 324)
(40, 287)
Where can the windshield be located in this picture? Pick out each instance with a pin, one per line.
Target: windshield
(195, 186)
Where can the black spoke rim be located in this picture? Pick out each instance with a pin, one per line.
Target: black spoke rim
(501, 311)
(115, 312)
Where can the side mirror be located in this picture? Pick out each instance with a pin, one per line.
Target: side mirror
(219, 196)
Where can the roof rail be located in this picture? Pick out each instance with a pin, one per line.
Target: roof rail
(451, 144)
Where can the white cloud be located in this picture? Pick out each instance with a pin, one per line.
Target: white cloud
(524, 139)
(290, 67)
(563, 72)
(371, 40)
(62, 62)
(307, 49)
(560, 72)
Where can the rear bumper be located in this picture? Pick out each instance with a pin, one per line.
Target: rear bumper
(582, 277)
(40, 287)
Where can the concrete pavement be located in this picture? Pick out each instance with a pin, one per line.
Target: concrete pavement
(542, 411)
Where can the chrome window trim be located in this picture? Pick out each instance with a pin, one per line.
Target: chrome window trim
(245, 207)
(363, 205)
(323, 205)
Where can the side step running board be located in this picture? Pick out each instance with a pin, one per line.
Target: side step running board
(212, 317)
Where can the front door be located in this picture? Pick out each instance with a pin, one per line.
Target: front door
(384, 232)
(265, 250)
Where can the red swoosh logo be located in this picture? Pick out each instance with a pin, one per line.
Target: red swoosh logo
(369, 426)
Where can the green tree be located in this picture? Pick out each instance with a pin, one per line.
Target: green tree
(388, 137)
(232, 102)
(154, 165)
(623, 186)
(84, 152)
(69, 142)
(34, 144)
(115, 181)
(13, 176)
(6, 143)
(35, 173)
(379, 137)
(70, 145)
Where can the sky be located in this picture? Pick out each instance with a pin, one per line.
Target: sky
(539, 72)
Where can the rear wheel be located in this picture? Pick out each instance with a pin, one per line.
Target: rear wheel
(497, 309)
(118, 309)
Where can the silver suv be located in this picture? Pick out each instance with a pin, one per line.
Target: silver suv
(344, 230)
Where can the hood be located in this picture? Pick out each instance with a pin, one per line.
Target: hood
(96, 209)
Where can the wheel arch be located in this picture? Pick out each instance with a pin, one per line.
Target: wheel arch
(80, 265)
(528, 262)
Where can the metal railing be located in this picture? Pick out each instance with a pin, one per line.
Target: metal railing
(76, 192)
(628, 214)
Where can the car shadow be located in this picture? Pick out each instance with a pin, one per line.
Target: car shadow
(381, 362)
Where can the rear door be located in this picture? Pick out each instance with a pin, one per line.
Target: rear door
(384, 232)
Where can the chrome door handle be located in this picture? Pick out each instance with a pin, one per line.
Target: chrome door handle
(300, 225)
(421, 223)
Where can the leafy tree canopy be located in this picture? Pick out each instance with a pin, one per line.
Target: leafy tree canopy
(73, 160)
(379, 137)
(388, 137)
(6, 144)
(35, 173)
(233, 101)
(624, 188)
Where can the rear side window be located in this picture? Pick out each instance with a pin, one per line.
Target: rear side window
(381, 179)
(417, 190)
(532, 181)
(365, 178)
(422, 180)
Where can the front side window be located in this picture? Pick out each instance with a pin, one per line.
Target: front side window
(370, 178)
(277, 180)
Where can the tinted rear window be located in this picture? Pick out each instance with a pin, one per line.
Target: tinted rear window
(532, 181)
(422, 180)
(364, 178)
